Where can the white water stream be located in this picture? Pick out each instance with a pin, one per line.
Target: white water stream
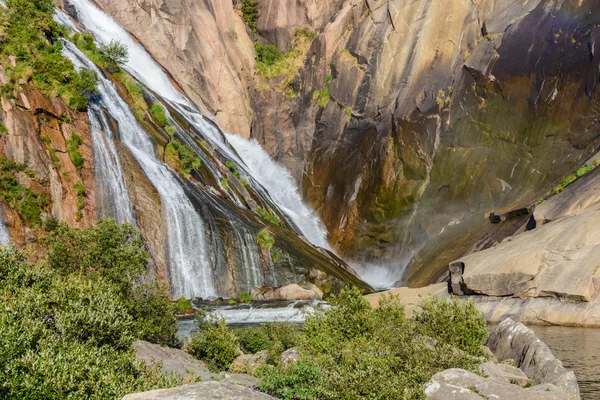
(273, 177)
(190, 270)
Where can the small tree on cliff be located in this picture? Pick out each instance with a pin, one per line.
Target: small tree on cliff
(115, 52)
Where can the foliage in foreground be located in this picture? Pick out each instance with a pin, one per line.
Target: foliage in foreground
(28, 32)
(67, 323)
(352, 351)
(214, 343)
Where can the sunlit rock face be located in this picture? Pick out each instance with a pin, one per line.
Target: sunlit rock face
(438, 112)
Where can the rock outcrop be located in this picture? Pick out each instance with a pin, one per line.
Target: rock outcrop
(398, 109)
(202, 391)
(513, 340)
(458, 384)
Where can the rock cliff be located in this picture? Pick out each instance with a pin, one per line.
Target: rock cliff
(405, 121)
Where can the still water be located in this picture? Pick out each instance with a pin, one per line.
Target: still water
(579, 351)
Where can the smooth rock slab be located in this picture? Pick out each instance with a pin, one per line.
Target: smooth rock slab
(202, 391)
(458, 384)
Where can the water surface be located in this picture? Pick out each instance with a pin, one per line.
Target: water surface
(579, 351)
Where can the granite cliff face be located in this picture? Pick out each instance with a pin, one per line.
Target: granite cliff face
(407, 121)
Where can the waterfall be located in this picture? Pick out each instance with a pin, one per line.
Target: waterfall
(64, 19)
(275, 179)
(190, 270)
(112, 198)
(4, 236)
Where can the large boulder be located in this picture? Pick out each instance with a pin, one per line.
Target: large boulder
(513, 340)
(248, 363)
(458, 384)
(296, 292)
(187, 367)
(202, 391)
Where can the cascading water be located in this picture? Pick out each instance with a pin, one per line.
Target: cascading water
(4, 236)
(274, 178)
(112, 199)
(190, 270)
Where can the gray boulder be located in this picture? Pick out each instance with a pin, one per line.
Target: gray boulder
(458, 384)
(289, 357)
(202, 391)
(514, 340)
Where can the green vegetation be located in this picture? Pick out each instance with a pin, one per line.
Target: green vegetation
(3, 129)
(348, 111)
(69, 321)
(273, 337)
(110, 56)
(265, 239)
(322, 97)
(267, 215)
(73, 147)
(7, 90)
(184, 306)
(80, 192)
(160, 116)
(250, 13)
(272, 63)
(233, 169)
(182, 156)
(571, 178)
(33, 37)
(135, 92)
(275, 256)
(352, 351)
(224, 183)
(21, 198)
(245, 298)
(213, 343)
(170, 130)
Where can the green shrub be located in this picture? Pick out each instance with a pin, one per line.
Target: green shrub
(265, 239)
(453, 322)
(136, 93)
(267, 215)
(233, 168)
(225, 184)
(298, 381)
(275, 256)
(351, 351)
(170, 130)
(68, 332)
(267, 54)
(159, 114)
(3, 129)
(80, 192)
(33, 37)
(274, 337)
(245, 298)
(21, 198)
(7, 90)
(183, 156)
(73, 147)
(115, 52)
(214, 343)
(184, 306)
(250, 13)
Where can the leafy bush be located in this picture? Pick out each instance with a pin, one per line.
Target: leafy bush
(245, 298)
(184, 306)
(33, 37)
(453, 322)
(250, 13)
(135, 92)
(275, 337)
(214, 343)
(182, 155)
(67, 331)
(233, 168)
(115, 52)
(73, 147)
(351, 351)
(267, 54)
(265, 239)
(159, 114)
(7, 90)
(21, 198)
(267, 215)
(3, 129)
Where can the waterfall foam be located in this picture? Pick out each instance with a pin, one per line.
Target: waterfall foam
(4, 236)
(190, 269)
(112, 198)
